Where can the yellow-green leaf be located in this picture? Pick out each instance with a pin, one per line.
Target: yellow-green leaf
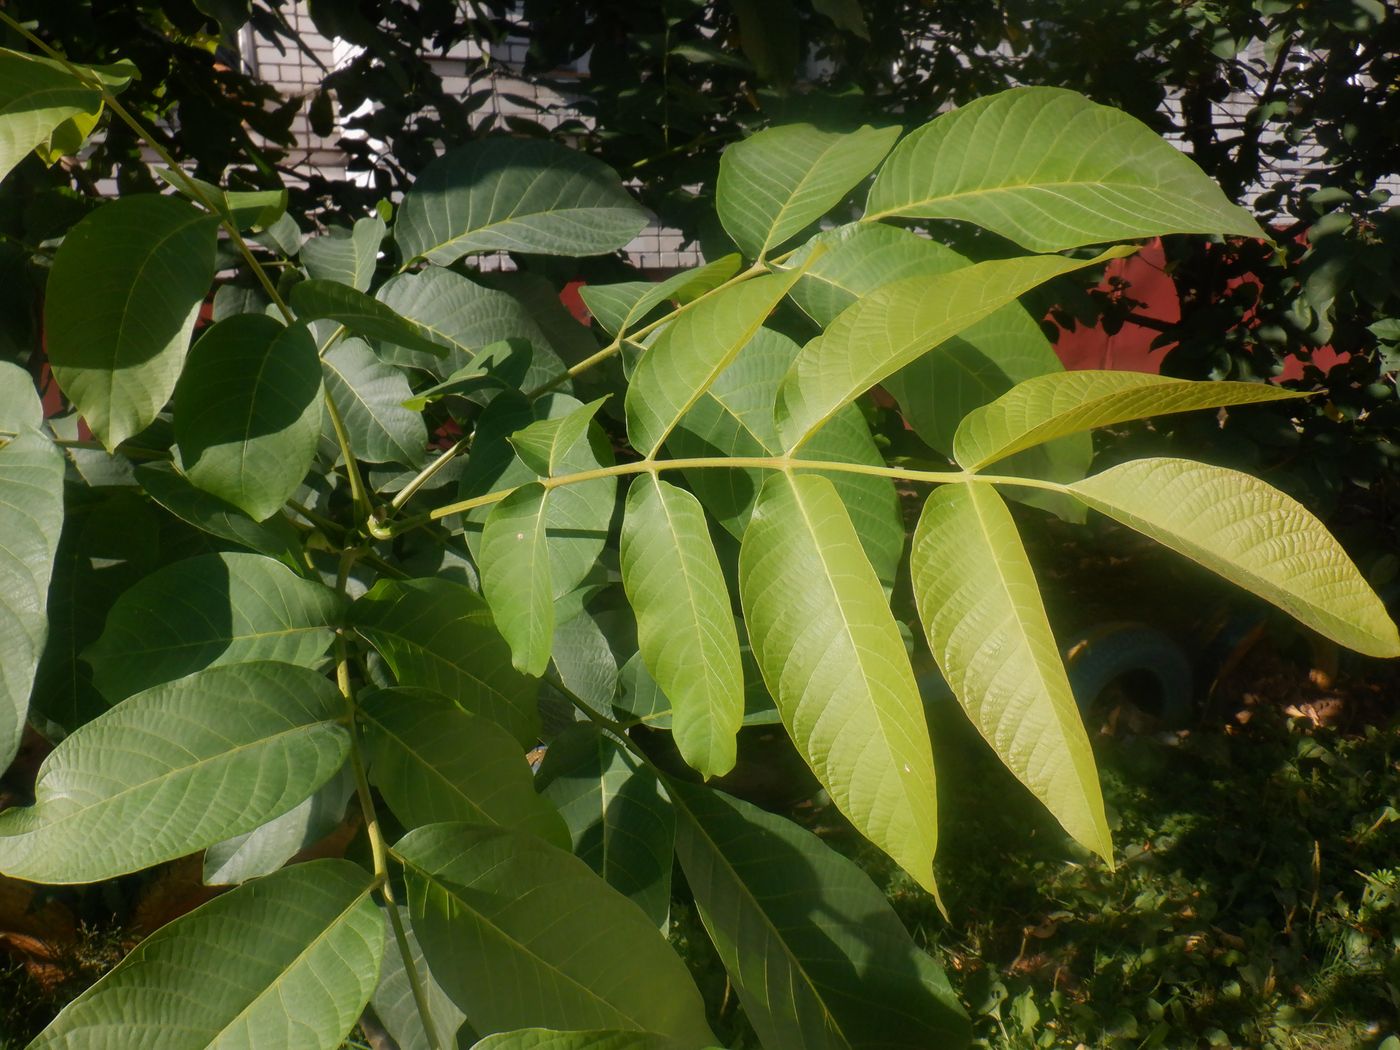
(982, 612)
(1254, 536)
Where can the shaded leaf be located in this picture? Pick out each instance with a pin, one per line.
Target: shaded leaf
(120, 305)
(519, 932)
(620, 821)
(517, 195)
(438, 635)
(515, 575)
(548, 1039)
(207, 611)
(31, 521)
(433, 761)
(174, 769)
(371, 397)
(362, 314)
(816, 953)
(345, 256)
(287, 961)
(248, 412)
(396, 1008)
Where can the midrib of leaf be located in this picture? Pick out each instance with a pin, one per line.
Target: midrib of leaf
(772, 927)
(446, 888)
(162, 778)
(253, 636)
(274, 986)
(252, 408)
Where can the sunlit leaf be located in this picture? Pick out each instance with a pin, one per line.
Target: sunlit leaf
(1254, 536)
(894, 325)
(621, 307)
(362, 314)
(691, 352)
(345, 256)
(1051, 170)
(685, 628)
(981, 609)
(1052, 406)
(37, 98)
(780, 180)
(515, 575)
(832, 657)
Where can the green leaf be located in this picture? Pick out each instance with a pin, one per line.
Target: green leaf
(464, 318)
(371, 397)
(502, 365)
(31, 520)
(894, 325)
(121, 302)
(844, 14)
(543, 445)
(438, 635)
(36, 99)
(517, 195)
(1052, 406)
(365, 316)
(434, 762)
(286, 961)
(619, 819)
(834, 662)
(174, 769)
(520, 933)
(263, 850)
(346, 257)
(515, 575)
(275, 537)
(981, 609)
(246, 209)
(248, 412)
(577, 517)
(816, 953)
(1051, 170)
(685, 627)
(1254, 536)
(396, 1008)
(207, 611)
(621, 307)
(691, 352)
(780, 180)
(548, 1039)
